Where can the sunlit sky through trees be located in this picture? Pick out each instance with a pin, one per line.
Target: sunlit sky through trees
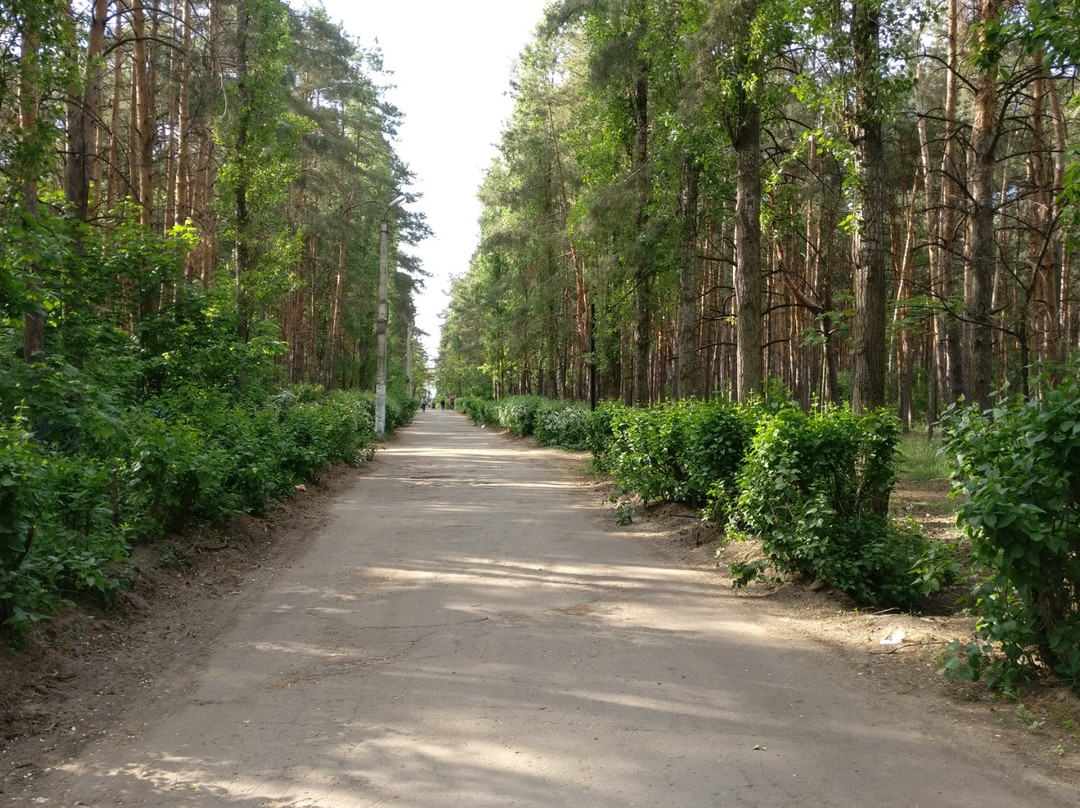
(451, 64)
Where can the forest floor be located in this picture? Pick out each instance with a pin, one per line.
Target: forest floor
(75, 675)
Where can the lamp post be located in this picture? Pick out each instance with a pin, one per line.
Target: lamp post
(383, 319)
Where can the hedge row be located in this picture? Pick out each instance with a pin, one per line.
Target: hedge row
(552, 423)
(814, 488)
(76, 496)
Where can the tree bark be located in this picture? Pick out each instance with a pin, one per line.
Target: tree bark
(947, 343)
(868, 328)
(689, 280)
(902, 331)
(1064, 324)
(980, 246)
(143, 115)
(746, 141)
(118, 187)
(81, 135)
(243, 257)
(643, 302)
(937, 261)
(29, 91)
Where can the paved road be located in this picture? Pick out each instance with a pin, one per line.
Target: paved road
(467, 632)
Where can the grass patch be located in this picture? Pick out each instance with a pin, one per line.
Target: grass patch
(921, 460)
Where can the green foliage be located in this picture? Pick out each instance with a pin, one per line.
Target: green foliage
(1019, 469)
(600, 433)
(551, 422)
(643, 457)
(562, 424)
(21, 468)
(171, 472)
(478, 409)
(717, 436)
(99, 476)
(939, 565)
(686, 451)
(56, 531)
(813, 490)
(158, 402)
(516, 413)
(314, 431)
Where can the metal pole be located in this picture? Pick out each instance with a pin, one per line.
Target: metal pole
(381, 322)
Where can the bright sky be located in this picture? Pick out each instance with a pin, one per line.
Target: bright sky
(450, 62)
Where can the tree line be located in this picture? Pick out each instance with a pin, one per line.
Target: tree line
(192, 197)
(253, 137)
(867, 201)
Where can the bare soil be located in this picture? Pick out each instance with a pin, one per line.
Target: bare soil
(74, 676)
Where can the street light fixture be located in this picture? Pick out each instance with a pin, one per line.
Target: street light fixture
(383, 318)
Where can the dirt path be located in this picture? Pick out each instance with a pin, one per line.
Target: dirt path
(468, 630)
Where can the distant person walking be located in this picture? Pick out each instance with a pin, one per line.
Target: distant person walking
(451, 402)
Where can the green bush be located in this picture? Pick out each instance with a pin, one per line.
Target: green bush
(1019, 469)
(316, 428)
(21, 468)
(563, 424)
(58, 533)
(552, 422)
(643, 455)
(69, 512)
(518, 413)
(684, 451)
(716, 437)
(814, 489)
(600, 433)
(480, 410)
(171, 473)
(132, 427)
(249, 439)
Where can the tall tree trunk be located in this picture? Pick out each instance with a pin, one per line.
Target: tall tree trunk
(334, 341)
(243, 256)
(689, 279)
(1051, 178)
(143, 114)
(948, 342)
(643, 274)
(746, 140)
(937, 262)
(582, 317)
(1046, 283)
(980, 246)
(203, 261)
(904, 348)
(117, 187)
(182, 179)
(176, 57)
(868, 328)
(181, 190)
(29, 91)
(81, 135)
(1064, 328)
